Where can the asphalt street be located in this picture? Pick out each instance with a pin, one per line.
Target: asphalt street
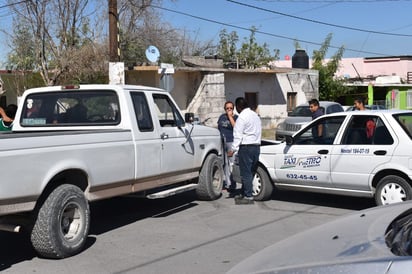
(180, 234)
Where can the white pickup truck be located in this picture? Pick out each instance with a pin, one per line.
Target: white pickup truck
(71, 145)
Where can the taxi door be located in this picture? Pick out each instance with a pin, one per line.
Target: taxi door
(306, 162)
(360, 152)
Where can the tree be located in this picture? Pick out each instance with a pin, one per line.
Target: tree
(21, 60)
(141, 26)
(330, 88)
(60, 34)
(227, 46)
(251, 55)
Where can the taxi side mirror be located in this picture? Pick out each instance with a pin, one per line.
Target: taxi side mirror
(289, 140)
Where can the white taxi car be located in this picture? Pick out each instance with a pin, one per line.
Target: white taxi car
(361, 153)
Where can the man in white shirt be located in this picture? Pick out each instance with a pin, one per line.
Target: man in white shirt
(246, 141)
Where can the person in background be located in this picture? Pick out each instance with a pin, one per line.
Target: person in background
(369, 124)
(246, 141)
(7, 117)
(317, 132)
(225, 124)
(359, 103)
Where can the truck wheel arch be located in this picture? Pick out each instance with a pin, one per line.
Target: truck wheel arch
(75, 177)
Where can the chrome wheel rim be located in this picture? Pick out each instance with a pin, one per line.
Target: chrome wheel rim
(393, 193)
(257, 184)
(71, 221)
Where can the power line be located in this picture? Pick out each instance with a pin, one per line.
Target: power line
(12, 4)
(334, 1)
(261, 32)
(320, 22)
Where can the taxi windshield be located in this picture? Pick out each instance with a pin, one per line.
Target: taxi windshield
(405, 120)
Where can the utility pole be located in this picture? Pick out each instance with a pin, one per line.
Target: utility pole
(114, 50)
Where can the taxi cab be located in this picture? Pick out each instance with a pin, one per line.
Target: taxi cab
(360, 153)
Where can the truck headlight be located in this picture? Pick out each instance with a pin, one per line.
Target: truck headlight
(281, 126)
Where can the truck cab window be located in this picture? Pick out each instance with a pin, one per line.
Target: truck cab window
(168, 115)
(96, 107)
(141, 109)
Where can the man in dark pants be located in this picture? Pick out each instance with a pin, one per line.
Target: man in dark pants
(246, 140)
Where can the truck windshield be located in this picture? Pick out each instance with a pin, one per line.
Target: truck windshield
(92, 107)
(301, 111)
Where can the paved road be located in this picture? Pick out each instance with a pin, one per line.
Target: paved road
(180, 234)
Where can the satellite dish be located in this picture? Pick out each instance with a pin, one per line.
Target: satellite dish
(152, 54)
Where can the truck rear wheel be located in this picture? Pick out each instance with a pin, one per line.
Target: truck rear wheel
(210, 179)
(62, 223)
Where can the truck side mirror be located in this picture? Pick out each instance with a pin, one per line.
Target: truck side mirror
(189, 117)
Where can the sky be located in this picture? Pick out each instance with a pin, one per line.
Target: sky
(366, 28)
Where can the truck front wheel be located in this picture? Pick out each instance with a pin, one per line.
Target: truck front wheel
(210, 178)
(62, 223)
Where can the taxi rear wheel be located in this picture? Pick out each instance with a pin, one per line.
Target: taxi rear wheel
(392, 189)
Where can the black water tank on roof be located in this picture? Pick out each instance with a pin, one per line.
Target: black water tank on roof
(300, 59)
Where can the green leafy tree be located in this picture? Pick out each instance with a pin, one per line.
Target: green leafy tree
(251, 55)
(23, 55)
(330, 88)
(227, 49)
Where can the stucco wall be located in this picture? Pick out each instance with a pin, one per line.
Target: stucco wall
(365, 67)
(185, 87)
(209, 99)
(272, 89)
(204, 92)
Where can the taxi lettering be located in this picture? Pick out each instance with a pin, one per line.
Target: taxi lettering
(311, 161)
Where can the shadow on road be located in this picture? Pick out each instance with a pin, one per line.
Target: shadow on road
(106, 215)
(15, 248)
(327, 200)
(119, 211)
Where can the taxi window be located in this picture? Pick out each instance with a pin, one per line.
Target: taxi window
(323, 131)
(365, 129)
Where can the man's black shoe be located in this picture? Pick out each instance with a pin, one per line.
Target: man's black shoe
(244, 201)
(232, 195)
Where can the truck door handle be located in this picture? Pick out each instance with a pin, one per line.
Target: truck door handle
(380, 152)
(164, 136)
(323, 151)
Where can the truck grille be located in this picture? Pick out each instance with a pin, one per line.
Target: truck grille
(292, 127)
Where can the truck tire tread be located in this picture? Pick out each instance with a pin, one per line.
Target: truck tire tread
(210, 181)
(62, 224)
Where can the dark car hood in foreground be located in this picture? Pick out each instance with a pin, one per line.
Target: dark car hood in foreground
(354, 243)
